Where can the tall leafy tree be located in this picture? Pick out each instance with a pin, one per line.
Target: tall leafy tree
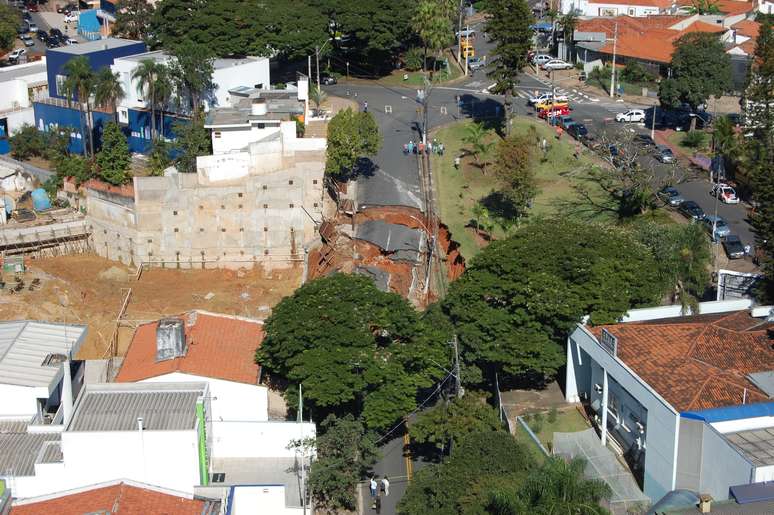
(191, 141)
(352, 136)
(133, 19)
(354, 349)
(9, 23)
(113, 159)
(108, 90)
(483, 463)
(514, 170)
(701, 68)
(518, 299)
(432, 24)
(345, 451)
(191, 71)
(509, 28)
(759, 151)
(447, 423)
(78, 87)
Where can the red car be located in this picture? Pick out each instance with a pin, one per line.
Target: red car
(554, 111)
(31, 7)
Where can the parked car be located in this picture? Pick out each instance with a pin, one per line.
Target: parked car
(32, 7)
(579, 132)
(644, 141)
(725, 193)
(16, 55)
(55, 33)
(721, 228)
(42, 35)
(26, 16)
(551, 105)
(548, 97)
(328, 80)
(554, 111)
(692, 210)
(671, 196)
(466, 33)
(632, 115)
(71, 41)
(733, 247)
(27, 40)
(52, 42)
(541, 59)
(557, 64)
(565, 121)
(475, 63)
(31, 27)
(664, 154)
(71, 17)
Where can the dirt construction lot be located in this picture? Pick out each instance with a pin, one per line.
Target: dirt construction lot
(90, 290)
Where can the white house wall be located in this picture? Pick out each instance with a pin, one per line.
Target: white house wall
(251, 74)
(252, 499)
(229, 400)
(744, 424)
(235, 139)
(20, 400)
(661, 425)
(586, 8)
(257, 439)
(168, 459)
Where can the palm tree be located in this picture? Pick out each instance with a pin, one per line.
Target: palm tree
(559, 487)
(475, 136)
(725, 137)
(317, 96)
(108, 91)
(432, 25)
(152, 82)
(79, 86)
(568, 22)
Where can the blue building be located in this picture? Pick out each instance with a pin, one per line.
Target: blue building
(54, 111)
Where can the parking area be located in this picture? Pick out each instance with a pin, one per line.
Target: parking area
(41, 28)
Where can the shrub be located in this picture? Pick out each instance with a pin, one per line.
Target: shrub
(75, 166)
(635, 72)
(413, 59)
(537, 423)
(695, 139)
(552, 414)
(27, 142)
(159, 158)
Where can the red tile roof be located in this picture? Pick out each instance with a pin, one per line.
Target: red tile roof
(219, 347)
(650, 38)
(118, 499)
(747, 28)
(697, 363)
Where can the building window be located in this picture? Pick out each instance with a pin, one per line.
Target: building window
(315, 204)
(60, 80)
(222, 206)
(265, 229)
(201, 229)
(217, 134)
(201, 207)
(265, 187)
(266, 252)
(290, 206)
(240, 206)
(290, 182)
(176, 229)
(241, 229)
(174, 213)
(261, 125)
(239, 195)
(150, 241)
(314, 181)
(266, 206)
(223, 230)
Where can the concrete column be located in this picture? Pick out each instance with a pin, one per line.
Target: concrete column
(571, 386)
(604, 407)
(67, 392)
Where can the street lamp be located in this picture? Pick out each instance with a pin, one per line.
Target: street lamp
(317, 51)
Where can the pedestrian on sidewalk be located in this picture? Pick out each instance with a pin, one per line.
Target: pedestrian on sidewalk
(405, 149)
(373, 487)
(386, 486)
(577, 151)
(440, 149)
(411, 146)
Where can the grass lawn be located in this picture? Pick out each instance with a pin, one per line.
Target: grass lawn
(418, 78)
(460, 190)
(567, 421)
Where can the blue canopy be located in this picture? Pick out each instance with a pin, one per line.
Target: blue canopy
(543, 25)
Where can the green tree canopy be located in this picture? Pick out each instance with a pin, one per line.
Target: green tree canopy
(759, 150)
(514, 169)
(516, 302)
(509, 28)
(700, 69)
(9, 24)
(560, 487)
(352, 136)
(482, 464)
(112, 161)
(433, 26)
(451, 421)
(354, 348)
(133, 19)
(345, 451)
(192, 140)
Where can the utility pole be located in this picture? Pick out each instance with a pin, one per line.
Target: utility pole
(459, 32)
(301, 427)
(457, 378)
(612, 71)
(653, 124)
(317, 58)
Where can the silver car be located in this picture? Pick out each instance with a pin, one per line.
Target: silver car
(671, 196)
(721, 227)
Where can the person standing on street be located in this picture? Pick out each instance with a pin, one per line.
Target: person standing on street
(386, 486)
(373, 487)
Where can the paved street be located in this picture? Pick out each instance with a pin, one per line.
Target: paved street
(395, 180)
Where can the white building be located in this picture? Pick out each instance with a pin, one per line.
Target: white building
(153, 433)
(227, 75)
(672, 393)
(33, 370)
(19, 85)
(636, 8)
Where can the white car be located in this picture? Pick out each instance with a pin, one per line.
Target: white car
(541, 59)
(547, 97)
(14, 56)
(71, 18)
(557, 64)
(725, 193)
(632, 115)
